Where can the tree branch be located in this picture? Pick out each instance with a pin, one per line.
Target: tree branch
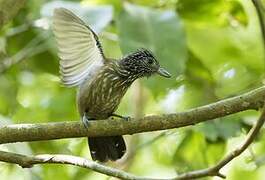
(34, 47)
(259, 8)
(48, 131)
(29, 161)
(34, 132)
(215, 170)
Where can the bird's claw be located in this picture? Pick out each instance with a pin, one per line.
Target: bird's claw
(85, 121)
(126, 118)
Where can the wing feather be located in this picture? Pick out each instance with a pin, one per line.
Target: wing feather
(80, 52)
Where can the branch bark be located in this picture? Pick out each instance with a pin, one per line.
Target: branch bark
(29, 161)
(260, 9)
(33, 132)
(48, 131)
(34, 47)
(215, 170)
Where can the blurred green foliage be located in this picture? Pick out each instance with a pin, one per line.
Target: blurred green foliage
(212, 48)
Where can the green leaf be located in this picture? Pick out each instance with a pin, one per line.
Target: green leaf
(194, 152)
(233, 54)
(159, 31)
(221, 128)
(216, 12)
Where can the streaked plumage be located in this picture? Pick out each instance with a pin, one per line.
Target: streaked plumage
(102, 82)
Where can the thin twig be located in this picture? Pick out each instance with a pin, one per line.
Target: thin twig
(222, 108)
(32, 48)
(215, 170)
(17, 30)
(29, 161)
(260, 9)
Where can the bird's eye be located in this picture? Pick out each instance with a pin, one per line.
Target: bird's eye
(150, 61)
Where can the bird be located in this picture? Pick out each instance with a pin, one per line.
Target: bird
(101, 82)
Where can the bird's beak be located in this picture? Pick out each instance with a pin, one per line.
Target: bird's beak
(163, 72)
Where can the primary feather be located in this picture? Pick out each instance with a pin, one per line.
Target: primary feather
(79, 49)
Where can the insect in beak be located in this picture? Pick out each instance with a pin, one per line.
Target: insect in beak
(163, 72)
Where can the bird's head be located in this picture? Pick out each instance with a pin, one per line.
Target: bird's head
(143, 63)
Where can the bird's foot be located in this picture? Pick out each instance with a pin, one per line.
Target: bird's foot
(126, 118)
(85, 120)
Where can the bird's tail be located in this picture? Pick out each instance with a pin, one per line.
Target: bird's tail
(106, 148)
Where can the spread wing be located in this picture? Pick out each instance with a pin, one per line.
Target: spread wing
(80, 52)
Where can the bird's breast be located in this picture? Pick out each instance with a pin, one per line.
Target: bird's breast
(100, 96)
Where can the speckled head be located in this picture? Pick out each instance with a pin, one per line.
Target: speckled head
(143, 63)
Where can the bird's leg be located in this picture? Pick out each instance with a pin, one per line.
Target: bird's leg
(86, 119)
(126, 118)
